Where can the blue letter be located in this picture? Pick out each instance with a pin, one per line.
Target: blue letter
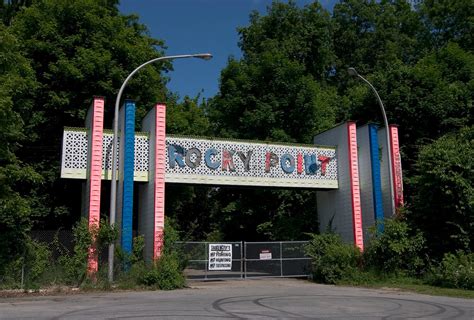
(207, 159)
(310, 164)
(175, 155)
(287, 167)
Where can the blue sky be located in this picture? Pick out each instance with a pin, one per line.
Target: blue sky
(198, 26)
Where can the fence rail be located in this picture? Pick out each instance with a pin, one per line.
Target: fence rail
(249, 260)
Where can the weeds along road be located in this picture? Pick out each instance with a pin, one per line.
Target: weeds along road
(249, 299)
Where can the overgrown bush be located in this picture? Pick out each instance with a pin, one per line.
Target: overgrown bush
(456, 270)
(443, 197)
(332, 259)
(74, 264)
(131, 267)
(165, 274)
(397, 249)
(37, 260)
(28, 268)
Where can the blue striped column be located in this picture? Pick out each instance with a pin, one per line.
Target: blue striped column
(128, 135)
(376, 178)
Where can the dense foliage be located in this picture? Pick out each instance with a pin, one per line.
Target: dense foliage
(332, 260)
(392, 258)
(397, 249)
(444, 180)
(290, 84)
(456, 270)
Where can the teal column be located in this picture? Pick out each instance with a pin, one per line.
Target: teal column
(376, 178)
(128, 173)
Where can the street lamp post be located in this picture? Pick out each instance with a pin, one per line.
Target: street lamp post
(353, 72)
(113, 189)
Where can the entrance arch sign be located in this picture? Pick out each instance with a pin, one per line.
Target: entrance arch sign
(343, 167)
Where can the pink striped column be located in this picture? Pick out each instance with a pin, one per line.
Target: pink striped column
(355, 185)
(160, 163)
(151, 204)
(95, 126)
(396, 163)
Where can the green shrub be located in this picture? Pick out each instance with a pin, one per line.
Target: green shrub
(443, 193)
(125, 260)
(166, 274)
(131, 267)
(454, 271)
(33, 264)
(332, 260)
(74, 264)
(396, 249)
(37, 260)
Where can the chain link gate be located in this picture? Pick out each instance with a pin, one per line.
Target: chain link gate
(245, 260)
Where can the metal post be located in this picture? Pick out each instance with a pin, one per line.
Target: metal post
(113, 189)
(23, 274)
(241, 259)
(206, 257)
(281, 260)
(353, 72)
(245, 260)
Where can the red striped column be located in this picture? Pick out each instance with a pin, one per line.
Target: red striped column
(160, 163)
(355, 185)
(95, 174)
(396, 163)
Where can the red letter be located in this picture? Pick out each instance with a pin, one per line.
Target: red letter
(227, 160)
(271, 160)
(299, 161)
(324, 162)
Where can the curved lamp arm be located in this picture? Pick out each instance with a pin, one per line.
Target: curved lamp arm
(113, 188)
(353, 72)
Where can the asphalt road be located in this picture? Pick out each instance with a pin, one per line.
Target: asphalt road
(249, 299)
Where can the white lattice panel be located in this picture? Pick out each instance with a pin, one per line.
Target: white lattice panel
(74, 157)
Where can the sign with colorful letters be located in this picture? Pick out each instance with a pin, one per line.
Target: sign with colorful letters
(217, 162)
(206, 161)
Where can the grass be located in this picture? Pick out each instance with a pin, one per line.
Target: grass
(404, 283)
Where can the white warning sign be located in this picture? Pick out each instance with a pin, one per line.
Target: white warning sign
(265, 255)
(220, 256)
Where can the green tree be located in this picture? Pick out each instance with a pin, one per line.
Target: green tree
(449, 21)
(9, 8)
(431, 98)
(189, 205)
(443, 200)
(273, 93)
(278, 91)
(371, 35)
(17, 82)
(77, 49)
(377, 38)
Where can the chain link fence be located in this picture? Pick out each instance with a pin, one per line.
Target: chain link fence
(197, 258)
(41, 254)
(57, 241)
(276, 259)
(202, 260)
(248, 260)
